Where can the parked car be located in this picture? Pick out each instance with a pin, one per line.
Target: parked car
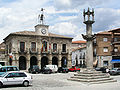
(4, 69)
(15, 78)
(103, 69)
(46, 70)
(54, 68)
(34, 69)
(74, 69)
(63, 70)
(114, 71)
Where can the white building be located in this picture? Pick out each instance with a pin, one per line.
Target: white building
(78, 57)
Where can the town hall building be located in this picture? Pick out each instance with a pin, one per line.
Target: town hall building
(27, 48)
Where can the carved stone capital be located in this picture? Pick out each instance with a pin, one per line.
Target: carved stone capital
(88, 37)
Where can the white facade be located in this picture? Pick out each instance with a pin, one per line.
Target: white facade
(78, 57)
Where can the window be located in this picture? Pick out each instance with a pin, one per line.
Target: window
(105, 39)
(44, 46)
(2, 70)
(10, 47)
(116, 49)
(22, 75)
(64, 48)
(33, 46)
(22, 46)
(115, 39)
(105, 63)
(54, 47)
(7, 49)
(105, 49)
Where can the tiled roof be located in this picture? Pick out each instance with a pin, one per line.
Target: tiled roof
(115, 30)
(105, 32)
(79, 48)
(80, 41)
(35, 34)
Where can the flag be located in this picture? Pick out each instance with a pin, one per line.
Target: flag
(49, 46)
(42, 48)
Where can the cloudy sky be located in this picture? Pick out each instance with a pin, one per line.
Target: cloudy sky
(65, 17)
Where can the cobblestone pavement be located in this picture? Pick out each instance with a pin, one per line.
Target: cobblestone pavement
(58, 81)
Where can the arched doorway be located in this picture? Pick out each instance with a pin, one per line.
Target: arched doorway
(44, 61)
(64, 62)
(55, 61)
(33, 61)
(22, 63)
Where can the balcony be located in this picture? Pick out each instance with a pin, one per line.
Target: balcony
(115, 53)
(44, 51)
(33, 51)
(65, 51)
(55, 51)
(22, 51)
(115, 41)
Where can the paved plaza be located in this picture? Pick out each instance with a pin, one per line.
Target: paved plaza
(58, 81)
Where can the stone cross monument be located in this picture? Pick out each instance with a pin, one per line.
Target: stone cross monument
(89, 75)
(89, 37)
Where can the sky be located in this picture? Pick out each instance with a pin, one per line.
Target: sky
(64, 17)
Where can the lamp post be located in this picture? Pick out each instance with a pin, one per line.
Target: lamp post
(89, 37)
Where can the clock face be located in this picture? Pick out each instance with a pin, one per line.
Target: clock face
(43, 31)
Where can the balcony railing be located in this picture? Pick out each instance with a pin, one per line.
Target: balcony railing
(55, 51)
(115, 53)
(65, 51)
(20, 51)
(33, 51)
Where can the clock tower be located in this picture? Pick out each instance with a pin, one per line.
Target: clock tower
(41, 28)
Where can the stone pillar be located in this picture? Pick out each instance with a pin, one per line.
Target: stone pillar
(59, 60)
(50, 60)
(69, 61)
(39, 60)
(89, 37)
(27, 61)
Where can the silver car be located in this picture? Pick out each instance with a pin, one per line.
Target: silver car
(114, 71)
(15, 78)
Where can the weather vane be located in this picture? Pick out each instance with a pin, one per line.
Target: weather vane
(41, 17)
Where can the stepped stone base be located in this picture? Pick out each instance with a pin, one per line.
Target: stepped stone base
(91, 76)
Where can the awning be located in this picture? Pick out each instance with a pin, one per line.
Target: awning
(115, 61)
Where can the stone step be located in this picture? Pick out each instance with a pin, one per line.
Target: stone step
(93, 77)
(92, 80)
(89, 75)
(107, 81)
(93, 72)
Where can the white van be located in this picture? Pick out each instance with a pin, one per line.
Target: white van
(54, 68)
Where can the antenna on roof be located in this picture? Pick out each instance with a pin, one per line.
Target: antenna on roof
(41, 17)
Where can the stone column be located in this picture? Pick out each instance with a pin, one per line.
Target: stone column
(59, 60)
(50, 59)
(69, 61)
(89, 37)
(39, 60)
(27, 61)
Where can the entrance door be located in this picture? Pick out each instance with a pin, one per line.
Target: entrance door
(33, 61)
(22, 63)
(44, 61)
(55, 61)
(64, 62)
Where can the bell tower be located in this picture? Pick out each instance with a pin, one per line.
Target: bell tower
(41, 28)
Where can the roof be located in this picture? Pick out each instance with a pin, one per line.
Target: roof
(117, 30)
(105, 32)
(79, 48)
(33, 33)
(80, 41)
(109, 32)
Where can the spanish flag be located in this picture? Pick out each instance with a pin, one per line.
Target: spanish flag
(42, 48)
